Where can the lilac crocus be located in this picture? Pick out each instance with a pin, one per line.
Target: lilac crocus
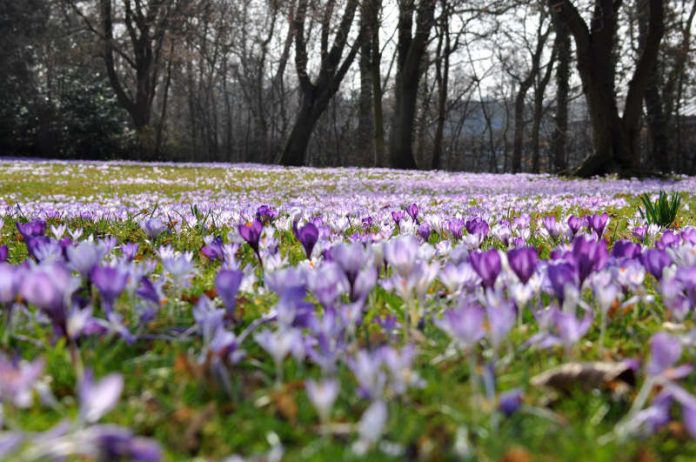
(478, 227)
(322, 395)
(397, 216)
(401, 254)
(464, 324)
(4, 253)
(153, 227)
(9, 283)
(227, 283)
(130, 250)
(17, 380)
(665, 351)
(98, 397)
(523, 262)
(48, 287)
(655, 261)
(110, 282)
(571, 328)
(266, 214)
(488, 266)
(84, 257)
(308, 235)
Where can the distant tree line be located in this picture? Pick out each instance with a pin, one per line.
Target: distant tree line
(568, 86)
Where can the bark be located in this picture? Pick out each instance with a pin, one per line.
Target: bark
(316, 95)
(614, 136)
(444, 49)
(560, 131)
(538, 111)
(366, 155)
(410, 52)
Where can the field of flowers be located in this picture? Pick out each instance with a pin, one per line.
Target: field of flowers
(228, 313)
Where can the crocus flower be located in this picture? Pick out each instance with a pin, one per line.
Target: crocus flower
(371, 426)
(487, 265)
(48, 287)
(34, 228)
(424, 231)
(129, 250)
(510, 401)
(523, 261)
(401, 254)
(397, 216)
(8, 283)
(588, 256)
(266, 214)
(655, 261)
(625, 249)
(665, 351)
(561, 275)
(17, 380)
(322, 395)
(598, 223)
(98, 397)
(308, 235)
(227, 283)
(464, 324)
(574, 225)
(213, 251)
(412, 211)
(153, 227)
(84, 257)
(111, 282)
(4, 252)
(251, 233)
(478, 227)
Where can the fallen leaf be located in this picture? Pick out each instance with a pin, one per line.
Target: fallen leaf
(615, 376)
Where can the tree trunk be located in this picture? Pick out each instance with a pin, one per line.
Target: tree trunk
(560, 131)
(411, 49)
(296, 147)
(365, 155)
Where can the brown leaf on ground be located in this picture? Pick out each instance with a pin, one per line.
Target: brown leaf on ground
(616, 376)
(517, 454)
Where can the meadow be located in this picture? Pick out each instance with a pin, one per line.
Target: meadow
(239, 312)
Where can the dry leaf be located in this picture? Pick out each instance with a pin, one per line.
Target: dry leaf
(618, 377)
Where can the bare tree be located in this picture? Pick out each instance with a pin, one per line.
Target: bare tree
(315, 96)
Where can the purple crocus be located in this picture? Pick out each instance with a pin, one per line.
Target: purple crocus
(111, 282)
(523, 261)
(625, 249)
(598, 223)
(588, 256)
(84, 257)
(129, 250)
(397, 216)
(487, 265)
(34, 228)
(510, 401)
(227, 283)
(424, 231)
(412, 211)
(213, 251)
(308, 235)
(251, 233)
(4, 253)
(574, 224)
(48, 287)
(655, 261)
(322, 395)
(561, 275)
(478, 227)
(265, 214)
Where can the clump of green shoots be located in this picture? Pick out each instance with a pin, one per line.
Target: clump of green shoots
(661, 212)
